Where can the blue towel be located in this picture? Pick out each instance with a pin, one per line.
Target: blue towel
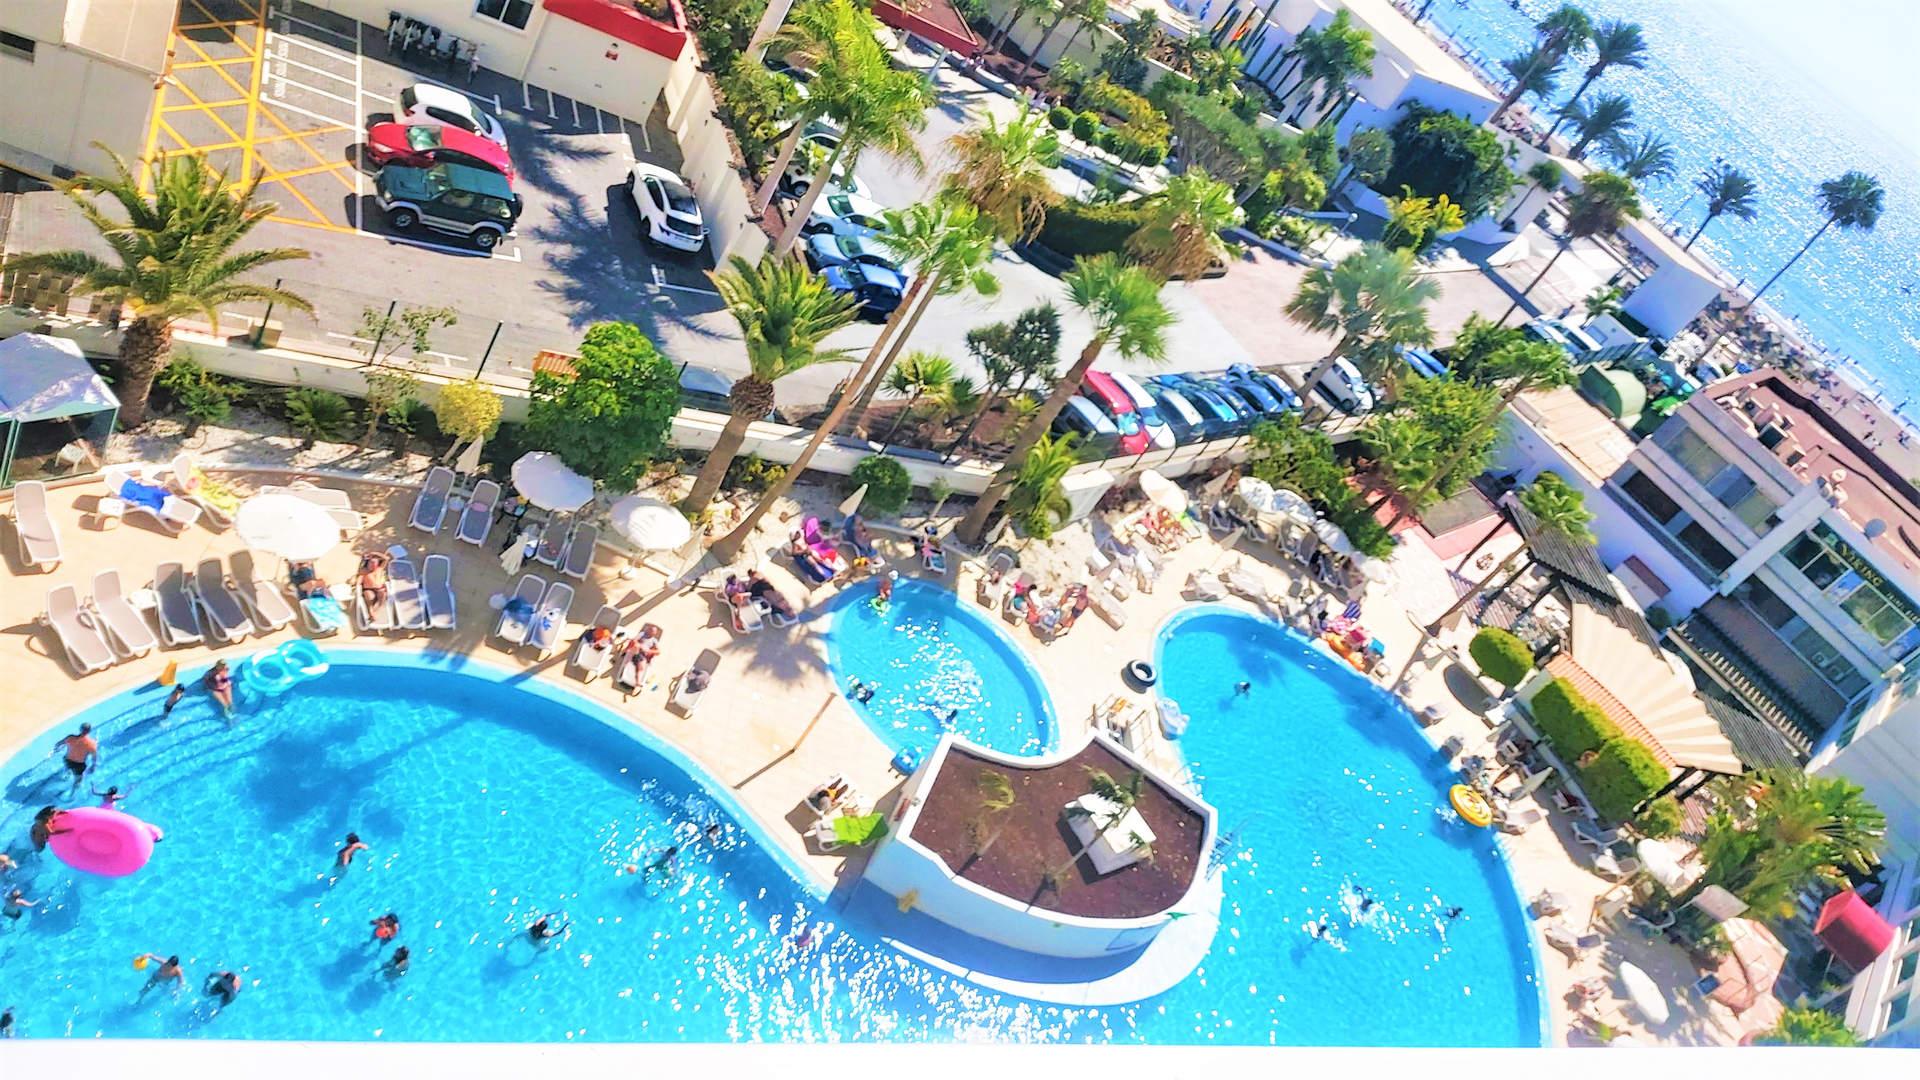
(326, 612)
(147, 495)
(518, 608)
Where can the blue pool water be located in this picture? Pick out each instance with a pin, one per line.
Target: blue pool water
(936, 664)
(487, 798)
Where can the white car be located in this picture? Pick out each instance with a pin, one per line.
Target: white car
(1149, 410)
(669, 213)
(1344, 387)
(843, 214)
(428, 105)
(807, 159)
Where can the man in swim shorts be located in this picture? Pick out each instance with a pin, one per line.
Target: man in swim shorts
(82, 752)
(164, 969)
(224, 985)
(665, 861)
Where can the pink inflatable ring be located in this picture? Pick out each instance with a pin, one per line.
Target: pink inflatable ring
(101, 841)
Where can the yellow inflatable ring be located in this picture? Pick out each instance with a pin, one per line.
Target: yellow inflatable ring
(1470, 805)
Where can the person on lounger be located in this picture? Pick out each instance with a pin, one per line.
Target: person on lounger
(373, 579)
(806, 560)
(306, 582)
(859, 536)
(762, 590)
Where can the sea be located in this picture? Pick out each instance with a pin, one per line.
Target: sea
(1719, 88)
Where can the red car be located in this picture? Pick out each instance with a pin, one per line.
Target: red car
(419, 146)
(1112, 400)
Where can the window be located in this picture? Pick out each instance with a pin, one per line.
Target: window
(514, 13)
(1692, 452)
(1811, 558)
(1897, 1010)
(1908, 964)
(1657, 503)
(1705, 547)
(1819, 652)
(1764, 602)
(15, 45)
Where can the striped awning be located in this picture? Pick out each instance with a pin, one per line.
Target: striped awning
(1642, 693)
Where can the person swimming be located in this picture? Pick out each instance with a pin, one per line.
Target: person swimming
(224, 985)
(385, 928)
(347, 848)
(861, 692)
(1454, 912)
(397, 964)
(543, 930)
(665, 861)
(1242, 689)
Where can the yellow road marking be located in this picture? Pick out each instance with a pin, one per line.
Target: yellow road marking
(205, 105)
(253, 95)
(210, 63)
(327, 225)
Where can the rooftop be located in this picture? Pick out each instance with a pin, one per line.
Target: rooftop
(1589, 437)
(1392, 28)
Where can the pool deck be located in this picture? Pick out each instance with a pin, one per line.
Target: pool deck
(771, 727)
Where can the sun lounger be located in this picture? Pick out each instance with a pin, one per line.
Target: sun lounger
(1517, 823)
(33, 526)
(133, 491)
(79, 632)
(477, 519)
(1206, 585)
(553, 541)
(265, 600)
(550, 621)
(437, 588)
(430, 506)
(226, 616)
(1108, 605)
(1245, 582)
(1593, 836)
(590, 662)
(219, 500)
(746, 617)
(322, 615)
(1560, 936)
(178, 613)
(687, 692)
(628, 675)
(126, 629)
(578, 557)
(1614, 868)
(403, 590)
(516, 618)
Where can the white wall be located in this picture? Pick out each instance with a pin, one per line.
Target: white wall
(711, 164)
(57, 106)
(572, 61)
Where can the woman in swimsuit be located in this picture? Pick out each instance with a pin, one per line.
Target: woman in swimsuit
(219, 682)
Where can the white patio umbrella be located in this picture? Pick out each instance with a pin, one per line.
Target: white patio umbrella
(1255, 492)
(852, 502)
(1332, 536)
(1658, 858)
(649, 524)
(547, 483)
(469, 459)
(1163, 492)
(1293, 504)
(1644, 994)
(287, 526)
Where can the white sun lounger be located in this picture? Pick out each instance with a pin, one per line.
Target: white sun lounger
(592, 663)
(550, 621)
(553, 541)
(685, 699)
(578, 558)
(324, 616)
(33, 526)
(746, 617)
(265, 602)
(126, 628)
(79, 633)
(226, 616)
(178, 613)
(1206, 585)
(215, 498)
(430, 506)
(477, 519)
(438, 589)
(175, 514)
(514, 626)
(403, 591)
(1107, 604)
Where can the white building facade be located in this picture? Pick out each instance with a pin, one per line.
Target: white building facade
(74, 73)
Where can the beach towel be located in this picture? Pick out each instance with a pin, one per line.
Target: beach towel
(150, 496)
(326, 612)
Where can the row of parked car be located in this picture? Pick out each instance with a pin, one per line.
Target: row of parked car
(1163, 411)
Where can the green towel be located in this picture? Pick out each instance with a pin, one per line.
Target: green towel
(859, 831)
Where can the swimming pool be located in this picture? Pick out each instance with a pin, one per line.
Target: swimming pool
(936, 664)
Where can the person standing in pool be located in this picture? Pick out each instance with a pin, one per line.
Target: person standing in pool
(17, 904)
(82, 752)
(224, 985)
(6, 1023)
(543, 930)
(396, 964)
(111, 798)
(385, 929)
(165, 969)
(219, 683)
(1242, 689)
(172, 700)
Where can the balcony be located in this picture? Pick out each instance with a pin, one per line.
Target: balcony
(1744, 654)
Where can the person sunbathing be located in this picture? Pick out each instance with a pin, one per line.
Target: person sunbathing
(636, 657)
(373, 579)
(762, 590)
(306, 582)
(806, 560)
(860, 537)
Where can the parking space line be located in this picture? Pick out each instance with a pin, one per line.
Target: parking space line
(333, 122)
(382, 98)
(289, 17)
(274, 39)
(359, 180)
(311, 89)
(209, 62)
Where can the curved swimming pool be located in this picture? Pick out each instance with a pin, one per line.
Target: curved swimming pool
(935, 664)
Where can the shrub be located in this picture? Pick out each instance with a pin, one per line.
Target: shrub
(753, 473)
(1570, 722)
(1101, 94)
(613, 413)
(1623, 775)
(1073, 229)
(1661, 818)
(888, 484)
(206, 398)
(1060, 117)
(1367, 534)
(1438, 153)
(1660, 619)
(1502, 657)
(1086, 127)
(317, 414)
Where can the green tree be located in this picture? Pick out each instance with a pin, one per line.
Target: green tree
(1035, 500)
(1545, 173)
(996, 796)
(1368, 157)
(1180, 234)
(317, 415)
(1440, 152)
(1404, 453)
(1288, 454)
(1374, 300)
(1122, 796)
(959, 398)
(467, 411)
(887, 483)
(1615, 43)
(1565, 29)
(392, 386)
(1016, 11)
(1215, 141)
(1462, 416)
(784, 312)
(1001, 171)
(1604, 203)
(1804, 1025)
(608, 418)
(172, 256)
(1125, 61)
(1067, 9)
(1728, 191)
(916, 375)
(1606, 118)
(759, 104)
(1015, 355)
(1087, 15)
(1535, 70)
(811, 36)
(203, 396)
(1501, 656)
(1778, 832)
(1415, 221)
(1123, 304)
(1604, 300)
(1331, 60)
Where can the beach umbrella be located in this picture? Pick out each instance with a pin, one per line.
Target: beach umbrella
(1163, 492)
(1331, 535)
(1255, 493)
(1293, 504)
(287, 526)
(852, 502)
(1658, 859)
(649, 524)
(1644, 993)
(469, 459)
(547, 483)
(1532, 783)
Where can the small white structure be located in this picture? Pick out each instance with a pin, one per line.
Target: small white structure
(1115, 837)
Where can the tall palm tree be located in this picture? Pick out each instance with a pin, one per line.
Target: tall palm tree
(1034, 499)
(1853, 200)
(1565, 29)
(1651, 158)
(1607, 116)
(173, 256)
(1001, 171)
(1087, 14)
(810, 36)
(1015, 354)
(1603, 204)
(1337, 55)
(916, 375)
(1017, 10)
(1374, 299)
(1616, 43)
(1179, 237)
(1404, 453)
(1728, 191)
(948, 248)
(959, 398)
(1545, 173)
(785, 311)
(1068, 9)
(1780, 831)
(1280, 66)
(1123, 304)
(1535, 70)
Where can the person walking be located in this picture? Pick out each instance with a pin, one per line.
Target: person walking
(82, 752)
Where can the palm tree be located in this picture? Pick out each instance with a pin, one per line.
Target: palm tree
(1068, 9)
(1545, 173)
(916, 375)
(1121, 796)
(958, 399)
(1123, 304)
(173, 256)
(1001, 171)
(948, 248)
(1180, 235)
(810, 36)
(1651, 158)
(1281, 65)
(1809, 1026)
(1853, 200)
(996, 796)
(1564, 29)
(1035, 500)
(1014, 354)
(1375, 299)
(1616, 43)
(1337, 55)
(1604, 300)
(1404, 454)
(1016, 11)
(1535, 70)
(784, 311)
(1604, 203)
(1087, 14)
(1728, 191)
(1607, 116)
(1779, 831)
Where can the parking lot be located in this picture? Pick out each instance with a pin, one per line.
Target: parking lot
(286, 90)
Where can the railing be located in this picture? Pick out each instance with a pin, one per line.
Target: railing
(1718, 652)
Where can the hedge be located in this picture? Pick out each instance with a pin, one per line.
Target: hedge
(1570, 722)
(888, 484)
(1073, 229)
(1661, 819)
(1087, 126)
(1624, 775)
(1502, 657)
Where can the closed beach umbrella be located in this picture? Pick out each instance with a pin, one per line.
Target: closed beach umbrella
(547, 483)
(469, 459)
(287, 526)
(649, 524)
(1331, 535)
(1163, 492)
(852, 502)
(1644, 994)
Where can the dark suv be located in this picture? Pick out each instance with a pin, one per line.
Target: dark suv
(458, 199)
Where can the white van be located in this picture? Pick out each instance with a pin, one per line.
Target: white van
(1345, 389)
